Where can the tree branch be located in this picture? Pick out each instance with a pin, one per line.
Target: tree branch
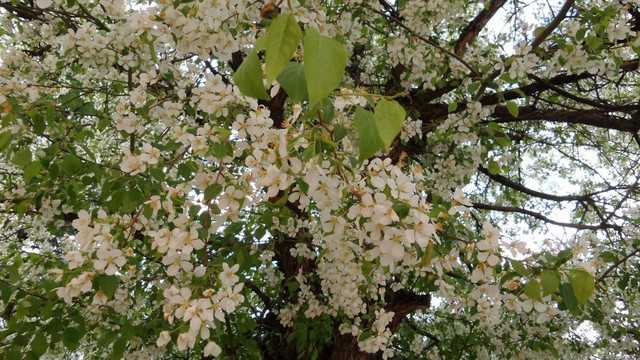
(475, 26)
(532, 88)
(474, 72)
(513, 209)
(596, 118)
(521, 188)
(101, 25)
(265, 299)
(405, 303)
(612, 267)
(571, 96)
(553, 24)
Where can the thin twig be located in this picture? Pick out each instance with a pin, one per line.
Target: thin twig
(430, 42)
(636, 251)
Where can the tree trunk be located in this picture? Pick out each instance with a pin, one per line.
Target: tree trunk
(345, 347)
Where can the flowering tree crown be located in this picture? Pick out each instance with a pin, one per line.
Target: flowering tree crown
(318, 179)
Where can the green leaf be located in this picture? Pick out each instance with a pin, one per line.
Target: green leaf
(583, 286)
(118, 348)
(220, 150)
(71, 338)
(108, 284)
(452, 107)
(564, 256)
(47, 310)
(31, 170)
(364, 336)
(50, 114)
(367, 268)
(22, 157)
(8, 119)
(508, 276)
(249, 77)
(550, 281)
(13, 354)
(292, 286)
(293, 82)
(303, 185)
(38, 124)
(14, 274)
(5, 137)
(593, 42)
(261, 43)
(39, 344)
(70, 164)
(282, 41)
(127, 331)
(107, 338)
(473, 87)
(494, 167)
(519, 268)
(569, 297)
(339, 132)
(503, 140)
(324, 62)
(513, 109)
(609, 257)
(389, 117)
(401, 209)
(212, 191)
(532, 290)
(368, 139)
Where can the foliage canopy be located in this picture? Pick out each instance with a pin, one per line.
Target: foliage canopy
(308, 179)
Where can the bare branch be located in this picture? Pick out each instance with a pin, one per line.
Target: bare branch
(596, 118)
(521, 188)
(618, 263)
(513, 209)
(474, 72)
(571, 96)
(553, 24)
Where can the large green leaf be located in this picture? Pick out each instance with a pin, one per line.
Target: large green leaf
(324, 63)
(569, 298)
(282, 41)
(22, 157)
(39, 344)
(108, 284)
(249, 77)
(70, 164)
(583, 286)
(550, 281)
(513, 109)
(118, 348)
(519, 268)
(212, 191)
(293, 82)
(368, 139)
(71, 338)
(31, 170)
(532, 290)
(389, 117)
(4, 139)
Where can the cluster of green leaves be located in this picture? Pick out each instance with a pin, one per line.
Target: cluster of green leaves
(571, 288)
(319, 74)
(324, 63)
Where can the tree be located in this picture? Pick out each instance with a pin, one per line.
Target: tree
(319, 179)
